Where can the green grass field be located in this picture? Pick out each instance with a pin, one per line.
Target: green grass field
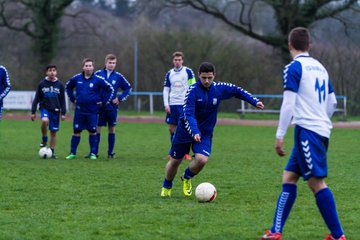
(120, 198)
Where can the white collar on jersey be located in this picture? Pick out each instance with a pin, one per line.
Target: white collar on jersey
(303, 54)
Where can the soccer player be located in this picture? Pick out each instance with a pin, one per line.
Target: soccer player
(5, 86)
(177, 82)
(196, 125)
(90, 96)
(309, 100)
(108, 112)
(50, 94)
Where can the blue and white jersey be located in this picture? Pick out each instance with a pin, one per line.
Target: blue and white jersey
(88, 92)
(201, 108)
(5, 85)
(117, 80)
(308, 78)
(178, 80)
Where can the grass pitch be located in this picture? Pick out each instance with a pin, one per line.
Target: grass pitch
(120, 198)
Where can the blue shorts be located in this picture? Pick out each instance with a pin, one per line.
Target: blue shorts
(86, 121)
(107, 118)
(175, 112)
(178, 150)
(54, 119)
(308, 157)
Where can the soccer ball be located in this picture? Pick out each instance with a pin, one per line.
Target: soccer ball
(45, 152)
(205, 192)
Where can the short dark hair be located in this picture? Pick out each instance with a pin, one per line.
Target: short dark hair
(178, 54)
(85, 60)
(50, 66)
(299, 38)
(206, 67)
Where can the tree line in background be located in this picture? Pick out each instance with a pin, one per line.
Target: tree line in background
(246, 40)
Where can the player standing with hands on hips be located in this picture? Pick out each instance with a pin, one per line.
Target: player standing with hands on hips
(177, 82)
(89, 98)
(50, 94)
(309, 100)
(196, 125)
(108, 112)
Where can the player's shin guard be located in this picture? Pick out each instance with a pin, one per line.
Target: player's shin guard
(75, 140)
(283, 207)
(188, 174)
(326, 204)
(44, 139)
(111, 141)
(93, 143)
(167, 183)
(98, 137)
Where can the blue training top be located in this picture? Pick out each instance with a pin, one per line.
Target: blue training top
(117, 80)
(201, 108)
(88, 92)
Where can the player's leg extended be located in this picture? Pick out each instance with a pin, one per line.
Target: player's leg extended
(170, 173)
(326, 204)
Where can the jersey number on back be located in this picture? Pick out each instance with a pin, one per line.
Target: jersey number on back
(321, 90)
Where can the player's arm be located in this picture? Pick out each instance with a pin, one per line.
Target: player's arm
(35, 102)
(109, 90)
(62, 101)
(291, 78)
(229, 90)
(189, 114)
(69, 87)
(5, 81)
(166, 92)
(191, 76)
(126, 89)
(286, 113)
(331, 103)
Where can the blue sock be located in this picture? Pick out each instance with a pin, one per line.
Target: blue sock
(167, 183)
(171, 137)
(283, 207)
(44, 139)
(326, 204)
(53, 151)
(111, 141)
(188, 174)
(74, 144)
(93, 143)
(98, 135)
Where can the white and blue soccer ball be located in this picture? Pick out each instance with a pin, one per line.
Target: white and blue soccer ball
(45, 152)
(205, 192)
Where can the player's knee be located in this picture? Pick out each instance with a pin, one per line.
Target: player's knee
(316, 184)
(202, 160)
(45, 120)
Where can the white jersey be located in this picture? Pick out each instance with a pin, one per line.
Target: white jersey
(308, 78)
(177, 81)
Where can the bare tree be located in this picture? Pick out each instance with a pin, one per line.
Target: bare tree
(38, 19)
(243, 15)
